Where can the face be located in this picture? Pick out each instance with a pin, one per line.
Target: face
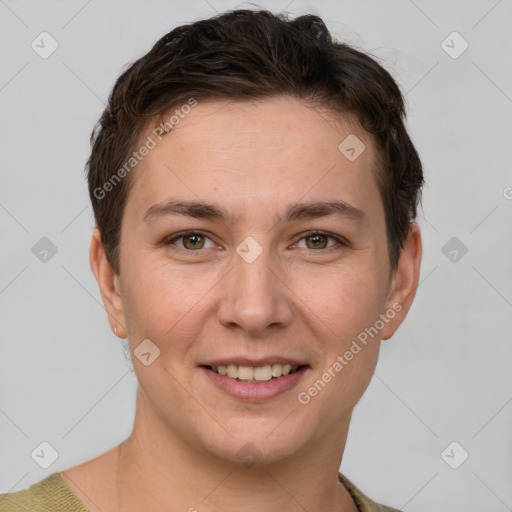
(250, 240)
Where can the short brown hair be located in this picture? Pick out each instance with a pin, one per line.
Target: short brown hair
(246, 55)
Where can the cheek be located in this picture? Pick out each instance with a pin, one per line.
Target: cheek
(352, 381)
(345, 300)
(348, 348)
(343, 309)
(162, 302)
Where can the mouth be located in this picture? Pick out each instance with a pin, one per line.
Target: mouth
(263, 373)
(251, 382)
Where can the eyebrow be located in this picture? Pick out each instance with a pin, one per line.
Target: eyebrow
(296, 211)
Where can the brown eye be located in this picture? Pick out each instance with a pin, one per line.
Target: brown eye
(193, 241)
(316, 241)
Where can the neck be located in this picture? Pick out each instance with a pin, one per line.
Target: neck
(157, 469)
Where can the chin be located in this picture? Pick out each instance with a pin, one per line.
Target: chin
(261, 442)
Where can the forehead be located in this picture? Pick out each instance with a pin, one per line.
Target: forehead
(282, 121)
(253, 150)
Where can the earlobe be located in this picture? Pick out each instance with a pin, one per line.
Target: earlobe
(404, 282)
(109, 285)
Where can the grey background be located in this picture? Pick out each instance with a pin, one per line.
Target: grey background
(444, 377)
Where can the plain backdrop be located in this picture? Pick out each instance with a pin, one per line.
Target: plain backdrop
(444, 378)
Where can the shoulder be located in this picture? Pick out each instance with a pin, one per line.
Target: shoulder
(48, 495)
(363, 503)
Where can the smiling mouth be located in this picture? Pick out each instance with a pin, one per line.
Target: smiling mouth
(255, 374)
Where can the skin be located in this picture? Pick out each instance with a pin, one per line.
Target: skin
(302, 298)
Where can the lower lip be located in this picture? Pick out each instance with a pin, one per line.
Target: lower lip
(255, 391)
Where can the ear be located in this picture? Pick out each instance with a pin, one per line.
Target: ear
(109, 284)
(404, 282)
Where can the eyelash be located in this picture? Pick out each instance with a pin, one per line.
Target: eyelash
(340, 241)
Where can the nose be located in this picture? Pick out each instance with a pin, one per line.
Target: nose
(254, 299)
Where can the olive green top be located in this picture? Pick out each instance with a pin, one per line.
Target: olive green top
(53, 495)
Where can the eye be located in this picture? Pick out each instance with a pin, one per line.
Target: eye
(191, 241)
(195, 241)
(319, 240)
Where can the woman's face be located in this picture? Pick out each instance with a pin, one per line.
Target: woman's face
(250, 237)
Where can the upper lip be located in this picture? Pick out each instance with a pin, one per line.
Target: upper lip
(245, 361)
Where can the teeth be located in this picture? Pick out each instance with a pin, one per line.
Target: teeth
(232, 371)
(259, 374)
(245, 373)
